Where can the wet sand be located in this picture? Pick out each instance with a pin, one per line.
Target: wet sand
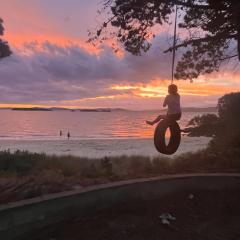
(97, 148)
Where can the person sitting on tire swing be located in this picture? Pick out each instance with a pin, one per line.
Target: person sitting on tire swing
(172, 101)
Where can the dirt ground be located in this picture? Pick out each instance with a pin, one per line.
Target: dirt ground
(198, 215)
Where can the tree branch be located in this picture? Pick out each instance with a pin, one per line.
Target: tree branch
(199, 40)
(190, 5)
(228, 57)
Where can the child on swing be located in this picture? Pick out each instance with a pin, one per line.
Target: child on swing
(172, 101)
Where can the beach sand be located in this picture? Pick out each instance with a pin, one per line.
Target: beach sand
(98, 148)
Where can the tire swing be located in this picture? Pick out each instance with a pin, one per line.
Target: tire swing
(163, 125)
(160, 140)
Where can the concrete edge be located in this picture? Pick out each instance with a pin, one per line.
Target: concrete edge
(19, 218)
(109, 185)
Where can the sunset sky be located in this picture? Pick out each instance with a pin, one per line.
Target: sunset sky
(52, 65)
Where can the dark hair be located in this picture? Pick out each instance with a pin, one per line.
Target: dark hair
(173, 89)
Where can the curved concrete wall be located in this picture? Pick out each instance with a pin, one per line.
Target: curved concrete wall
(16, 219)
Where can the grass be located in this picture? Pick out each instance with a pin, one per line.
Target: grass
(25, 175)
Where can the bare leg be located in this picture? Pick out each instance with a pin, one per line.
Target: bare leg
(156, 120)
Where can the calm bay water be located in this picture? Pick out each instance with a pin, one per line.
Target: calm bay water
(41, 125)
(93, 134)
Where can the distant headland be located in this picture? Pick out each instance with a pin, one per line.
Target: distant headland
(69, 109)
(187, 109)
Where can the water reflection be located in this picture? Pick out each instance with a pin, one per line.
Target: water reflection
(46, 125)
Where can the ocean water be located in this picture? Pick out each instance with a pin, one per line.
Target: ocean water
(93, 134)
(44, 125)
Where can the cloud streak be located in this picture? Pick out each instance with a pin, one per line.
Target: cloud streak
(46, 73)
(42, 72)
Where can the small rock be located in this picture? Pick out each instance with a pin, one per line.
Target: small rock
(190, 196)
(165, 221)
(166, 218)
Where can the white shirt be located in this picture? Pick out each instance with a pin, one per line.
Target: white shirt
(173, 103)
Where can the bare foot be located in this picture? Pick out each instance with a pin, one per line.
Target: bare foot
(149, 122)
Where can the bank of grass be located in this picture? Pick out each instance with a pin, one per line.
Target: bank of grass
(25, 175)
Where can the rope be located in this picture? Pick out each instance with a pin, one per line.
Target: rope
(174, 45)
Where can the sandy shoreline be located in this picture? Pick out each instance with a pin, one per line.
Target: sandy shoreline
(97, 148)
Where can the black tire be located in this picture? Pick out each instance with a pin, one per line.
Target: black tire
(159, 137)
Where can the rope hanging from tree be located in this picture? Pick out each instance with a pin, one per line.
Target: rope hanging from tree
(161, 129)
(174, 46)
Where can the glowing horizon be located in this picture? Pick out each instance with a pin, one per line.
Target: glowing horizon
(53, 65)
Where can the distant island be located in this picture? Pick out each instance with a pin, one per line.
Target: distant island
(192, 109)
(186, 109)
(96, 110)
(67, 109)
(31, 109)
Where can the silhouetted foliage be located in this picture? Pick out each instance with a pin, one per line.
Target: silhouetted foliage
(4, 48)
(226, 123)
(206, 125)
(212, 30)
(225, 128)
(228, 138)
(229, 110)
(26, 175)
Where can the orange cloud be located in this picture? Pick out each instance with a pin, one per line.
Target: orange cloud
(20, 105)
(18, 41)
(158, 88)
